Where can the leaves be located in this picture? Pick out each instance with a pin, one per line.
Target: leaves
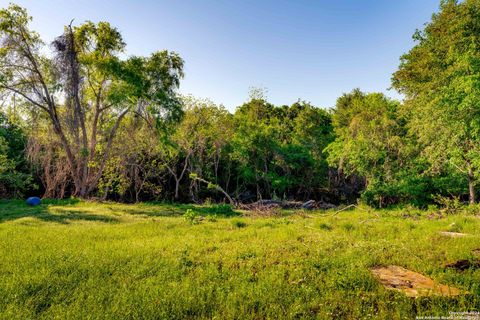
(440, 78)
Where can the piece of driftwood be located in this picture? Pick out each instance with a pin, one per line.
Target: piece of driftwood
(453, 234)
(412, 284)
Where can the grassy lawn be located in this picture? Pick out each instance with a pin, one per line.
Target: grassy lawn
(72, 259)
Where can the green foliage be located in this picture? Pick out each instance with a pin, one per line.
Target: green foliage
(79, 91)
(371, 142)
(15, 173)
(192, 216)
(369, 136)
(198, 146)
(279, 150)
(269, 151)
(122, 132)
(5, 164)
(440, 79)
(212, 218)
(449, 205)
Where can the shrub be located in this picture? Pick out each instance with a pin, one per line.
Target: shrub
(192, 216)
(448, 204)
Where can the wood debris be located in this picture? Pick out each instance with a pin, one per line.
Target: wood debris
(413, 284)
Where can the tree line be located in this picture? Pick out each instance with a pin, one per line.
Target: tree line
(78, 118)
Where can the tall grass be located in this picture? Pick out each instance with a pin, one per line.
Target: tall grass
(72, 260)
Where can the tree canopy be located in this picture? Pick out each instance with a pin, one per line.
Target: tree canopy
(440, 77)
(83, 87)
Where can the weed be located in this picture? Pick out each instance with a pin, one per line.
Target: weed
(212, 218)
(239, 223)
(192, 216)
(325, 226)
(348, 226)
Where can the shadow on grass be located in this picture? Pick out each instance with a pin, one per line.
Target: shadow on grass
(64, 211)
(17, 209)
(154, 209)
(159, 209)
(140, 210)
(220, 210)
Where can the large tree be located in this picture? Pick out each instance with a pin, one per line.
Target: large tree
(197, 144)
(279, 150)
(370, 140)
(83, 87)
(440, 78)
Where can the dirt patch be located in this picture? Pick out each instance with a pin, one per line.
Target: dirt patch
(413, 284)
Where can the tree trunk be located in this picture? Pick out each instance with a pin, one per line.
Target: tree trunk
(471, 186)
(177, 184)
(216, 187)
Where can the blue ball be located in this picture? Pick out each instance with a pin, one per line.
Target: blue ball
(34, 201)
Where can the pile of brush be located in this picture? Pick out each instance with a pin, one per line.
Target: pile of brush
(265, 205)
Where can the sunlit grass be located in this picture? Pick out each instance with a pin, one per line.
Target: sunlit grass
(146, 261)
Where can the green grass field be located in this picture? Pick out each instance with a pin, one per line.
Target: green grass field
(82, 260)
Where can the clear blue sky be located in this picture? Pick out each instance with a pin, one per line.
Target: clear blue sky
(313, 50)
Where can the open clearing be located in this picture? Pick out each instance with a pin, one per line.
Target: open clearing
(70, 259)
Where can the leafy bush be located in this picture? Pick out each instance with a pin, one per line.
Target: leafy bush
(15, 173)
(414, 188)
(449, 204)
(192, 216)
